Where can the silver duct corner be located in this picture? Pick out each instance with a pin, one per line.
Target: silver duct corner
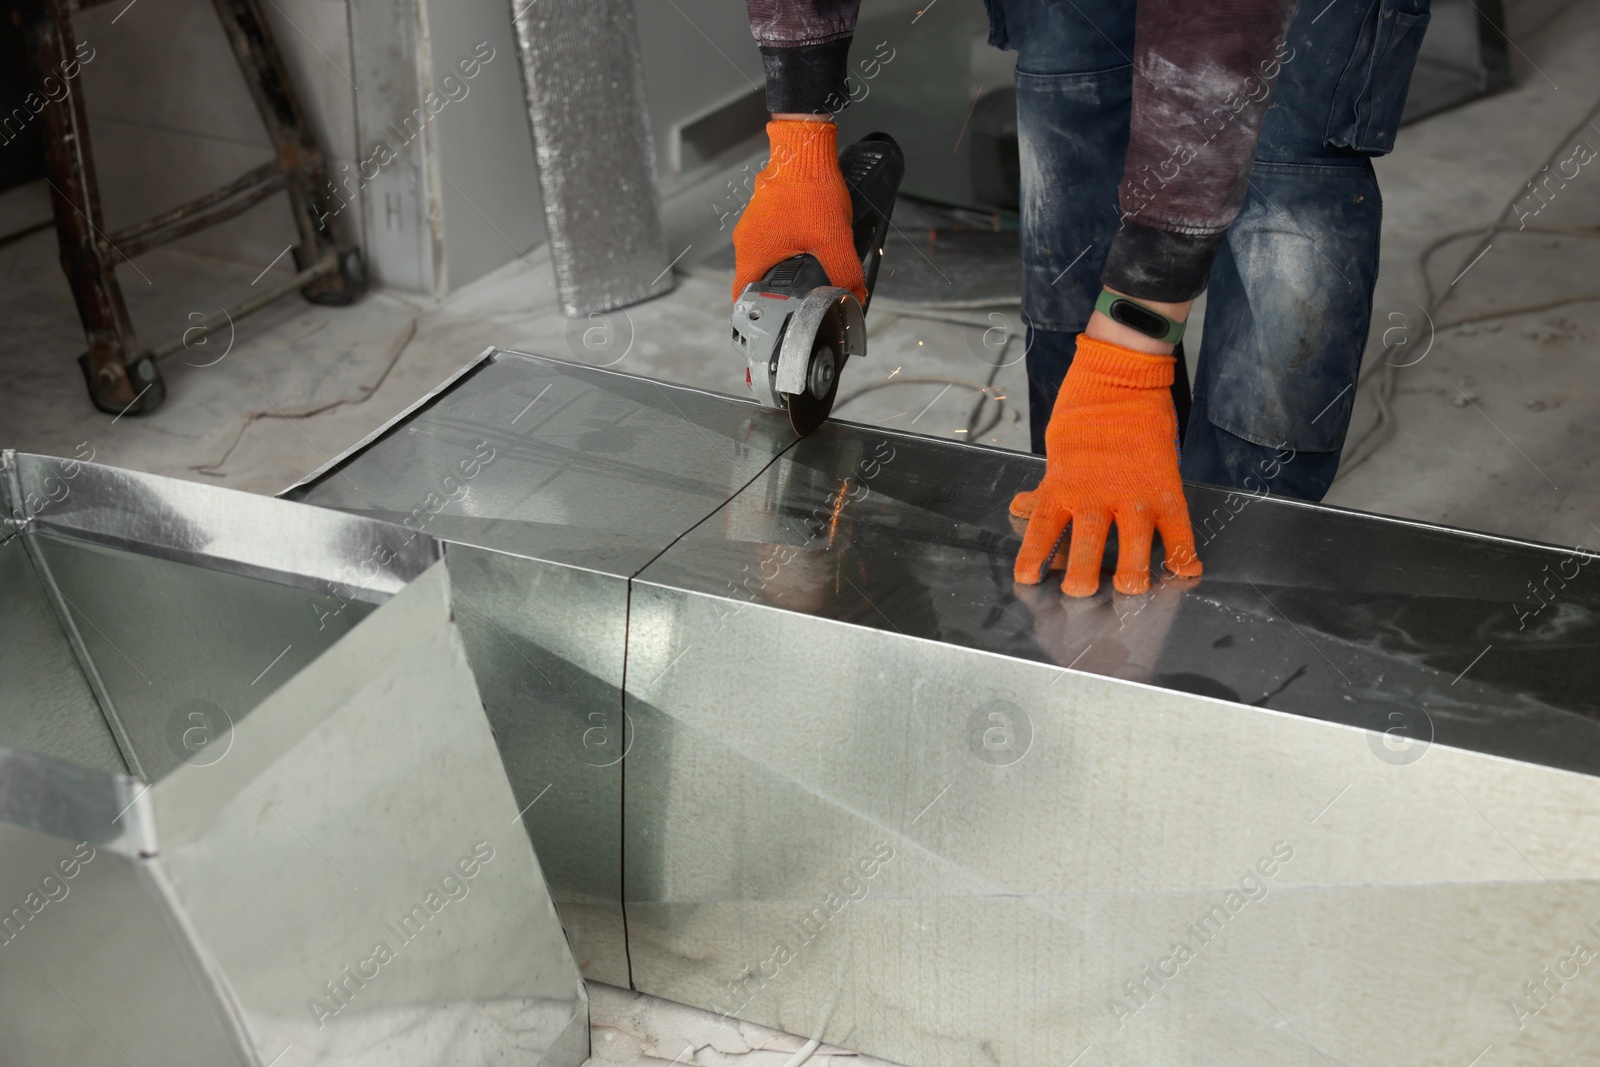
(249, 801)
(585, 87)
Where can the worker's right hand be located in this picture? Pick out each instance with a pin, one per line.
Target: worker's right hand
(800, 204)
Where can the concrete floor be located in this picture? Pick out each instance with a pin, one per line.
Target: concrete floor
(1496, 423)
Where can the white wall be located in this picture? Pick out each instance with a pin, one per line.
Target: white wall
(170, 117)
(489, 179)
(697, 54)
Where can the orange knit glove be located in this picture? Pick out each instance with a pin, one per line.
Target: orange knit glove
(800, 204)
(1110, 453)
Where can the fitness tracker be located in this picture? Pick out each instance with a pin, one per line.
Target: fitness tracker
(1136, 316)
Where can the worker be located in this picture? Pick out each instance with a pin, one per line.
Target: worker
(1164, 146)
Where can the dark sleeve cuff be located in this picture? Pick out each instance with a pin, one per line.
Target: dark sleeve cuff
(807, 79)
(1151, 264)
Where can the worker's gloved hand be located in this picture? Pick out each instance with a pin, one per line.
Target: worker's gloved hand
(800, 204)
(1110, 454)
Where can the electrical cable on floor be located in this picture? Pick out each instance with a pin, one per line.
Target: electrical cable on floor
(804, 1054)
(973, 431)
(985, 391)
(1380, 377)
(815, 1042)
(363, 393)
(985, 395)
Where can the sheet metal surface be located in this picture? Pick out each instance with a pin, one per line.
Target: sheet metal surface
(554, 485)
(1317, 611)
(535, 457)
(875, 791)
(320, 851)
(1351, 618)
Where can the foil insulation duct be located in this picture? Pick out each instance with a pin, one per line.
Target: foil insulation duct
(585, 87)
(780, 705)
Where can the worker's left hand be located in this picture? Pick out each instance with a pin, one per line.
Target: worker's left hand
(1110, 455)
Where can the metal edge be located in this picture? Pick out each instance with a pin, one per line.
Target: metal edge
(345, 585)
(1418, 524)
(426, 400)
(10, 492)
(936, 645)
(1397, 520)
(415, 553)
(609, 372)
(133, 827)
(202, 968)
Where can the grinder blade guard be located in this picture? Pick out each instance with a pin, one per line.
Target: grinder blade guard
(795, 328)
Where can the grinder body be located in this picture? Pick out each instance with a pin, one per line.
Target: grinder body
(795, 328)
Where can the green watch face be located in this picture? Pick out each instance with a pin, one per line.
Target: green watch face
(1140, 318)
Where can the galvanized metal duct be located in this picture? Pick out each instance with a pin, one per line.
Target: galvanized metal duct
(782, 705)
(250, 809)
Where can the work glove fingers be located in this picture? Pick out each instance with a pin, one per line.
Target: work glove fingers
(1039, 544)
(1178, 538)
(1087, 551)
(1023, 503)
(844, 269)
(755, 254)
(1135, 530)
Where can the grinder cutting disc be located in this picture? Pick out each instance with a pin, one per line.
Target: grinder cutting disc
(793, 327)
(810, 409)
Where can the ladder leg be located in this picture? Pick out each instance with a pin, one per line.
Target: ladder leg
(121, 379)
(322, 231)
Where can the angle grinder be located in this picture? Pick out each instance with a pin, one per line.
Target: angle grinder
(796, 329)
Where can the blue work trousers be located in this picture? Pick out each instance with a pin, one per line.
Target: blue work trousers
(1289, 298)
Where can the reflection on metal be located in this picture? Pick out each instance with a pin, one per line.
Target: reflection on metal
(553, 491)
(242, 758)
(873, 790)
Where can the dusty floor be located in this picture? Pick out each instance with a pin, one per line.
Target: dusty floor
(1495, 418)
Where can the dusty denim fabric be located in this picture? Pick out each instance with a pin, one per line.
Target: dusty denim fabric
(1290, 292)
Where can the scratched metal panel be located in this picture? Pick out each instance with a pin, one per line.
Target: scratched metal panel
(1018, 801)
(941, 856)
(535, 457)
(552, 485)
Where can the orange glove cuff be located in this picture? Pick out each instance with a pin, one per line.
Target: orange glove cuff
(802, 152)
(1101, 365)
